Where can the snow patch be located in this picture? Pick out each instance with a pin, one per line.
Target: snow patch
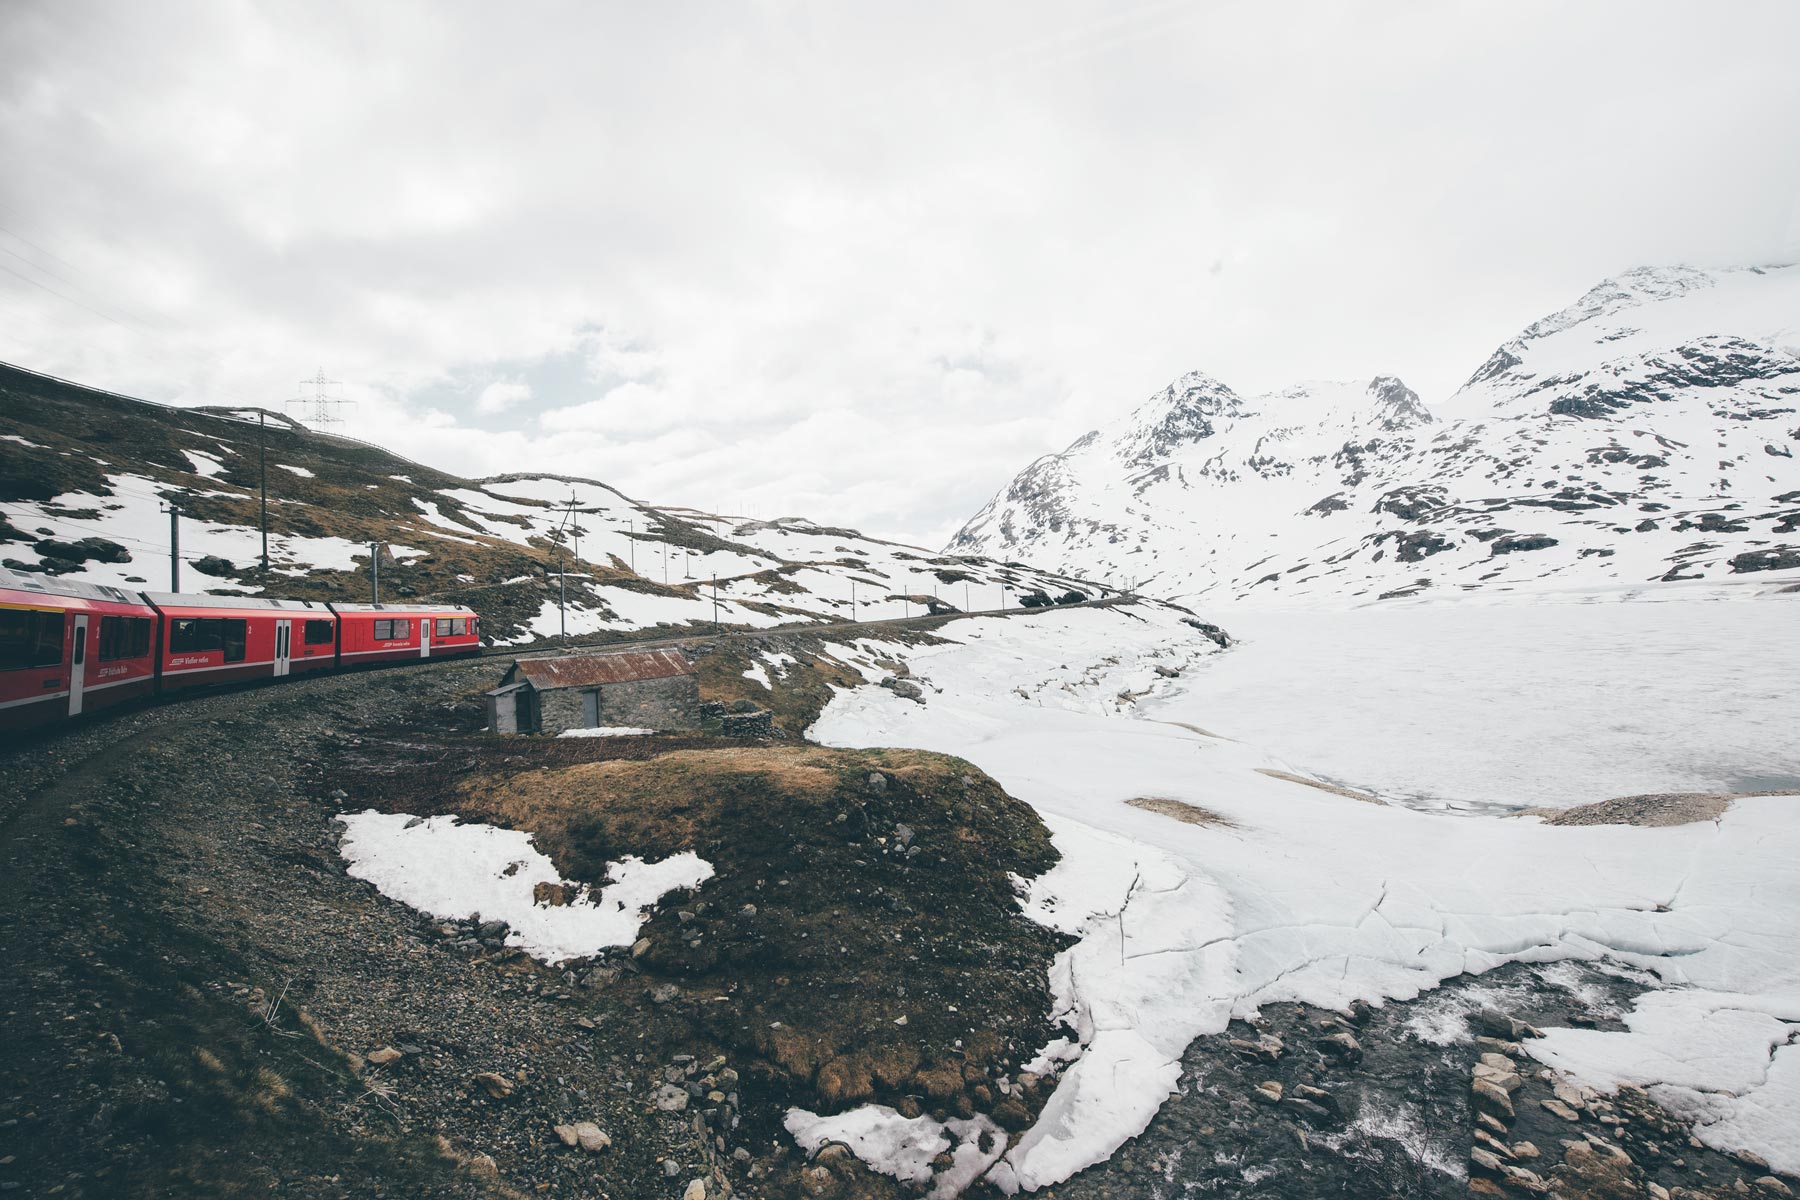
(457, 871)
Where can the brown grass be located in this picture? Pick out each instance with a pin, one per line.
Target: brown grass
(817, 931)
(1181, 810)
(1334, 789)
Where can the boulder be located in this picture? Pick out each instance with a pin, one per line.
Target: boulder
(1490, 1098)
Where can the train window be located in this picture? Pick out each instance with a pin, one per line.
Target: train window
(196, 635)
(443, 626)
(124, 637)
(384, 631)
(459, 626)
(233, 637)
(320, 633)
(30, 637)
(402, 627)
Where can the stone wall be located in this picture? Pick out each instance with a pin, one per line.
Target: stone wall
(671, 703)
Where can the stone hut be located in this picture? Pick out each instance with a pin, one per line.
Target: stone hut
(645, 689)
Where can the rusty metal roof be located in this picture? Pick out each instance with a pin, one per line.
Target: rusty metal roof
(592, 670)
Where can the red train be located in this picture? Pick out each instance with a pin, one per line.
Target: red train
(68, 648)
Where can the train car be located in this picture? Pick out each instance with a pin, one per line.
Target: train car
(209, 640)
(370, 633)
(67, 648)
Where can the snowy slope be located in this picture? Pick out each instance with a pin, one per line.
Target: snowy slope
(1300, 894)
(1647, 432)
(86, 478)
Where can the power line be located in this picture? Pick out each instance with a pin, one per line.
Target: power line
(76, 284)
(70, 299)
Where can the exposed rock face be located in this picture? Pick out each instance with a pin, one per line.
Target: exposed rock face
(1647, 432)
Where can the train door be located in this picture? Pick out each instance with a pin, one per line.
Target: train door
(284, 646)
(78, 664)
(424, 637)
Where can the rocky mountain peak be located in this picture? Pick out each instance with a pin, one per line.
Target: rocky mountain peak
(1185, 411)
(1396, 405)
(1647, 432)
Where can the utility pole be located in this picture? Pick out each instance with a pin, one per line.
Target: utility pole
(631, 523)
(665, 548)
(574, 528)
(174, 546)
(853, 599)
(562, 565)
(715, 604)
(262, 469)
(374, 572)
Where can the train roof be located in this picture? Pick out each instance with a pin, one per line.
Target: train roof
(201, 600)
(49, 585)
(401, 608)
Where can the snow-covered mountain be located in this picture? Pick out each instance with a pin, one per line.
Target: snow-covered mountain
(1647, 432)
(86, 479)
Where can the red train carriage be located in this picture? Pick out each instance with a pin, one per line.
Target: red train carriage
(371, 633)
(224, 639)
(66, 648)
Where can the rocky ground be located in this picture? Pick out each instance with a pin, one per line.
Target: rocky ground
(1434, 1098)
(199, 1001)
(202, 1002)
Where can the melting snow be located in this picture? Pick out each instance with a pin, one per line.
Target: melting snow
(457, 871)
(1303, 895)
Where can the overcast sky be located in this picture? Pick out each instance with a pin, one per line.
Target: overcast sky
(852, 261)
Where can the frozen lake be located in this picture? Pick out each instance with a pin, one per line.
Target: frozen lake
(1548, 701)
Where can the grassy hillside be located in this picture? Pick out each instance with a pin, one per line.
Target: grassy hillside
(86, 477)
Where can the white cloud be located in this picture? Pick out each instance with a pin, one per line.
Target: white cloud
(501, 395)
(857, 262)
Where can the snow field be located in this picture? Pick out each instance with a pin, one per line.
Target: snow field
(1308, 896)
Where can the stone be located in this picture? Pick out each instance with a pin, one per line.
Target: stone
(1267, 1047)
(1500, 1046)
(878, 781)
(1557, 1108)
(665, 993)
(695, 1190)
(1523, 1178)
(483, 1166)
(1485, 1159)
(1596, 1171)
(497, 1086)
(1508, 1081)
(1497, 1024)
(1569, 1095)
(1500, 1062)
(1490, 1098)
(817, 1181)
(1267, 1092)
(670, 1098)
(1491, 1123)
(671, 1168)
(1316, 1095)
(1525, 1150)
(1342, 1046)
(566, 1135)
(1768, 1185)
(592, 1138)
(385, 1055)
(1493, 1143)
(492, 929)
